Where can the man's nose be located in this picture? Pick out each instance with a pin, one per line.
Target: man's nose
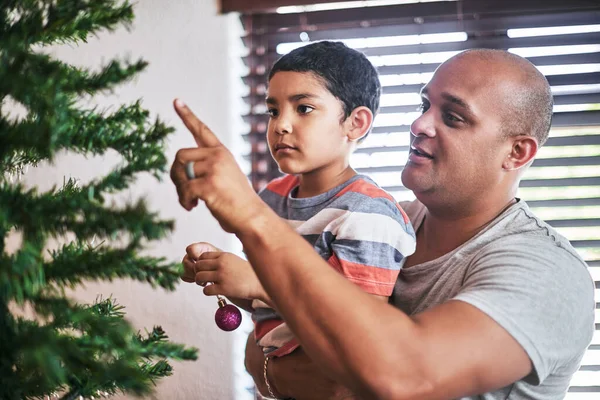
(424, 125)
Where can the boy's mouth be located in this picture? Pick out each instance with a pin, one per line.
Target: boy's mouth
(283, 147)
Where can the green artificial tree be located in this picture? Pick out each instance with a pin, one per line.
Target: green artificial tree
(67, 349)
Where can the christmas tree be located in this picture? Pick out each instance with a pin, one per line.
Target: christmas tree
(61, 348)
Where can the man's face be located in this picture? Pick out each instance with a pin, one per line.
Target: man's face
(457, 147)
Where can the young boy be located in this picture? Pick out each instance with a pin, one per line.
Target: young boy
(322, 99)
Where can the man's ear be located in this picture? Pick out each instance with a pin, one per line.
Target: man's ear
(359, 123)
(522, 152)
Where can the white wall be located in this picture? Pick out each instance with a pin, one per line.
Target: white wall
(191, 51)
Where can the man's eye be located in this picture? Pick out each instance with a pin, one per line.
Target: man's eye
(424, 106)
(452, 118)
(302, 109)
(272, 112)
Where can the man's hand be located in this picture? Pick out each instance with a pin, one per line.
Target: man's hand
(219, 181)
(294, 375)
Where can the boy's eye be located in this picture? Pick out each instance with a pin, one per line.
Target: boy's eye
(272, 112)
(424, 106)
(303, 109)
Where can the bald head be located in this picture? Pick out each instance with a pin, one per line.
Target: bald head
(521, 91)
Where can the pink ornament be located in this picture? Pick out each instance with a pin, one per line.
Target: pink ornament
(228, 317)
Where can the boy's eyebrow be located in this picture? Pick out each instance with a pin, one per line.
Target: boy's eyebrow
(302, 96)
(451, 98)
(293, 98)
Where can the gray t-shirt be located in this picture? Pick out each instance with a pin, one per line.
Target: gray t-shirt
(525, 276)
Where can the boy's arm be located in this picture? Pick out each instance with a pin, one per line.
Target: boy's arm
(244, 304)
(371, 241)
(385, 299)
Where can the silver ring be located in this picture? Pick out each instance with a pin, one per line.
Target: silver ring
(189, 170)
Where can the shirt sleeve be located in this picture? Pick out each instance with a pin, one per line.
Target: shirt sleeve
(370, 247)
(540, 293)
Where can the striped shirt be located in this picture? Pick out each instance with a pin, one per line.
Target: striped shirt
(357, 227)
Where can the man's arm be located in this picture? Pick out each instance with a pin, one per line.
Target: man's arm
(449, 351)
(294, 375)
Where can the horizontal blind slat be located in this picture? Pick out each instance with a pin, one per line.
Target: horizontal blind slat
(586, 389)
(592, 201)
(498, 41)
(589, 181)
(397, 20)
(570, 223)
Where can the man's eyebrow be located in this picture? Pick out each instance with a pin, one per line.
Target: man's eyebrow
(458, 101)
(451, 98)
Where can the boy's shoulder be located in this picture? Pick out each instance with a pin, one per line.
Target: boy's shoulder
(282, 185)
(367, 187)
(364, 195)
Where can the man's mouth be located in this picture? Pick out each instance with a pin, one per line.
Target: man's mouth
(420, 152)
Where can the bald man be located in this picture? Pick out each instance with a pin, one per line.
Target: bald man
(494, 304)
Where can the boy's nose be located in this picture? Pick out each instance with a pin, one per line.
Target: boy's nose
(283, 125)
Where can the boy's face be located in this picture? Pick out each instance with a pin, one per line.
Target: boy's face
(306, 133)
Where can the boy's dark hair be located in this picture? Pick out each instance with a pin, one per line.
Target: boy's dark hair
(347, 73)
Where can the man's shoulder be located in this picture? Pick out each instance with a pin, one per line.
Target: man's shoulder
(521, 244)
(520, 227)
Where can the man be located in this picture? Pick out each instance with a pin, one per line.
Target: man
(494, 304)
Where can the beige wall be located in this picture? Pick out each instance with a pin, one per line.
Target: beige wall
(192, 55)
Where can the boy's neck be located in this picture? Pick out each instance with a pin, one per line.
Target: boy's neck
(322, 180)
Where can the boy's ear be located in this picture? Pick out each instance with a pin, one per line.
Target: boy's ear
(522, 152)
(360, 121)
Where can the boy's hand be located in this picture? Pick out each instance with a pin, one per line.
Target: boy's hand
(192, 253)
(230, 275)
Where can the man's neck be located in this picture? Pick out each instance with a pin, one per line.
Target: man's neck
(442, 231)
